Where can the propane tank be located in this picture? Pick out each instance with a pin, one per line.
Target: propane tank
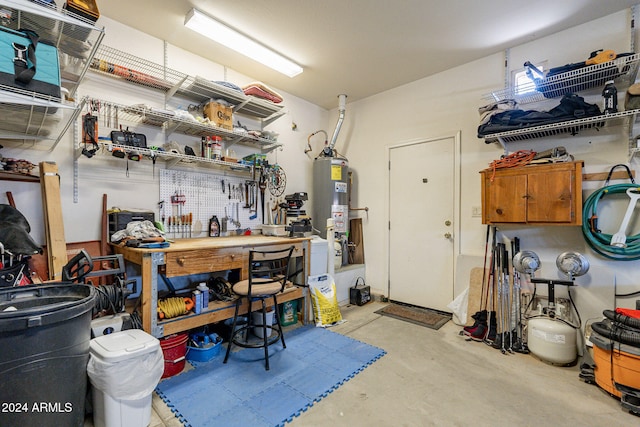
(552, 340)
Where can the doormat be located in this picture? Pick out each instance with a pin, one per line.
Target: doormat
(242, 393)
(420, 316)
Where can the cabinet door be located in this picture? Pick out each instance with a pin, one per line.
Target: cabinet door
(550, 197)
(505, 199)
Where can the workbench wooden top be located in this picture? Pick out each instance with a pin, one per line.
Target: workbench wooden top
(218, 242)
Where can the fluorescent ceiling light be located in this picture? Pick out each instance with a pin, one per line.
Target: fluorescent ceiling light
(230, 38)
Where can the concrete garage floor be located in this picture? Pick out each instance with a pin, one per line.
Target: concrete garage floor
(436, 378)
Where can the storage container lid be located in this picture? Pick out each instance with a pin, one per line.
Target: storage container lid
(123, 345)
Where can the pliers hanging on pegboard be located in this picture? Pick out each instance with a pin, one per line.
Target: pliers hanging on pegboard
(262, 184)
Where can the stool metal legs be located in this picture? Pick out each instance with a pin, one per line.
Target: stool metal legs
(267, 339)
(233, 330)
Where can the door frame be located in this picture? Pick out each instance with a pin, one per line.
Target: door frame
(456, 136)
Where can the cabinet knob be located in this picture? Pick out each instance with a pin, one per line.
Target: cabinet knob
(181, 260)
(499, 211)
(447, 235)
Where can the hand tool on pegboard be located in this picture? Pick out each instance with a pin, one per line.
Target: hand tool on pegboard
(263, 186)
(247, 199)
(178, 200)
(253, 195)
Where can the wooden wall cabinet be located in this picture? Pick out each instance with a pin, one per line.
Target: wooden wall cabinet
(548, 194)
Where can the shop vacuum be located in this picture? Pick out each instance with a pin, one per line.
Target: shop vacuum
(616, 355)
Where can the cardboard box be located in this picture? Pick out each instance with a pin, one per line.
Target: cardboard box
(219, 115)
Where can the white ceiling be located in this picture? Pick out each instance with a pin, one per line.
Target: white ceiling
(360, 47)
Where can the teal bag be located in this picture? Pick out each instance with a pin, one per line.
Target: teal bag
(28, 64)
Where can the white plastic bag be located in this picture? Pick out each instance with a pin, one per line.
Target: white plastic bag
(324, 300)
(130, 379)
(459, 308)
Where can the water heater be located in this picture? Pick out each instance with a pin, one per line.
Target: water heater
(331, 194)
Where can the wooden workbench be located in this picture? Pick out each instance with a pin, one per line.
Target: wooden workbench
(207, 255)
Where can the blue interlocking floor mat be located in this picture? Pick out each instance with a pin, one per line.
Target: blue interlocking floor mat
(242, 393)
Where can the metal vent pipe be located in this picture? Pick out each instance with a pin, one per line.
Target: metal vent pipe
(342, 100)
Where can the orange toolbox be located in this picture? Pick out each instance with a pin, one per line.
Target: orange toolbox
(88, 9)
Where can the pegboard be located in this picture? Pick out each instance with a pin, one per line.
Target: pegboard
(189, 199)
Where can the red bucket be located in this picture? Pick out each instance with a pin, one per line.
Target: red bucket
(174, 348)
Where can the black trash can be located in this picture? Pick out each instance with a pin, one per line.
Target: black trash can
(44, 336)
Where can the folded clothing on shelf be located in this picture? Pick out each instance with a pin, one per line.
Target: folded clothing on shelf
(260, 90)
(228, 85)
(571, 107)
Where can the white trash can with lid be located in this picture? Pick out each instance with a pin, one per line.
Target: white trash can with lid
(124, 368)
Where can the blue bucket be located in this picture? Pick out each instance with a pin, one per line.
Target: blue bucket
(203, 347)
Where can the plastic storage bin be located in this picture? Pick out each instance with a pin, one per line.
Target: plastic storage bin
(124, 368)
(44, 336)
(256, 320)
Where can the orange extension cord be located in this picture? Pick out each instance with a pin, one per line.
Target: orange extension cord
(515, 159)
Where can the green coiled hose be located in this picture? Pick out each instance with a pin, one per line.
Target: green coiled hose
(600, 242)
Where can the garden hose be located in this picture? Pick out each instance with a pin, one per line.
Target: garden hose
(601, 242)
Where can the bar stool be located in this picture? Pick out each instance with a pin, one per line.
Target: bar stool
(268, 272)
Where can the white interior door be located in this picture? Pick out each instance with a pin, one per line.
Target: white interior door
(421, 223)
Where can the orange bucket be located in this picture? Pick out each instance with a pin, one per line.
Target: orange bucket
(174, 349)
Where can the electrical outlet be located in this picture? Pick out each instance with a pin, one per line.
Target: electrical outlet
(476, 211)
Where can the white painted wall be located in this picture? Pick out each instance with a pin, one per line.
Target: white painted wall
(436, 106)
(448, 102)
